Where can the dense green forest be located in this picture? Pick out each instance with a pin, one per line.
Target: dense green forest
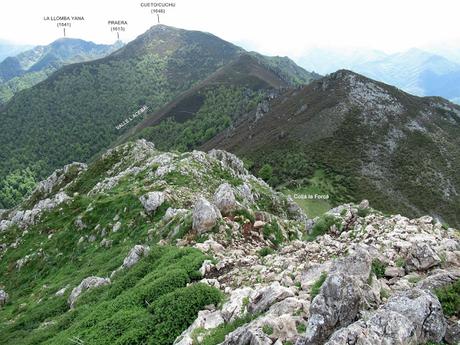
(221, 106)
(74, 113)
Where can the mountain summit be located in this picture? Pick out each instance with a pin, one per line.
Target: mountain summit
(77, 111)
(164, 40)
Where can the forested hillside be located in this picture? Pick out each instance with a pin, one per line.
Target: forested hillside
(74, 113)
(78, 110)
(241, 87)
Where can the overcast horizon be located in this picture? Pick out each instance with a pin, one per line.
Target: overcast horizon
(275, 28)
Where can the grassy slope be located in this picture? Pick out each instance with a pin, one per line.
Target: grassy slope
(147, 304)
(319, 184)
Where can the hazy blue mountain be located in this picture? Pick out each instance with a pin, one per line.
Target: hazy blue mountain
(415, 71)
(33, 66)
(329, 60)
(11, 49)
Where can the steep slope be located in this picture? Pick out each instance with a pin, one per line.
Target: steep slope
(105, 222)
(75, 113)
(370, 139)
(35, 65)
(215, 103)
(85, 107)
(161, 248)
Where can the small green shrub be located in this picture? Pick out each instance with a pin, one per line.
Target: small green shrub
(266, 172)
(245, 303)
(265, 251)
(301, 328)
(273, 232)
(449, 296)
(400, 262)
(363, 212)
(384, 293)
(323, 225)
(316, 287)
(174, 312)
(217, 335)
(414, 279)
(246, 214)
(445, 226)
(267, 329)
(378, 268)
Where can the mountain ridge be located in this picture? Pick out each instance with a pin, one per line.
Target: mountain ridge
(415, 71)
(190, 248)
(351, 125)
(77, 109)
(35, 65)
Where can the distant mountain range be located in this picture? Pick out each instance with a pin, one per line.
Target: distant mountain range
(414, 71)
(11, 49)
(35, 65)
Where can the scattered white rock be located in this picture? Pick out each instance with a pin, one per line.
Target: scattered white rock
(86, 284)
(4, 297)
(152, 201)
(134, 255)
(205, 216)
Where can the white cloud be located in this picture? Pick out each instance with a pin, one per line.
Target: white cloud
(283, 27)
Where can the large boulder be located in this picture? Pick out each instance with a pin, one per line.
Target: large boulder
(152, 201)
(246, 335)
(340, 299)
(422, 257)
(86, 284)
(265, 297)
(412, 317)
(439, 279)
(3, 298)
(224, 199)
(236, 305)
(229, 160)
(337, 305)
(452, 336)
(205, 216)
(423, 309)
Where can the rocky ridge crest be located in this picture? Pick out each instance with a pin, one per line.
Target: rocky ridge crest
(362, 278)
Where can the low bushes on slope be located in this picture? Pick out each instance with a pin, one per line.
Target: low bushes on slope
(147, 304)
(449, 297)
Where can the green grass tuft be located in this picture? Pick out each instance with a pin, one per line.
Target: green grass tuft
(316, 287)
